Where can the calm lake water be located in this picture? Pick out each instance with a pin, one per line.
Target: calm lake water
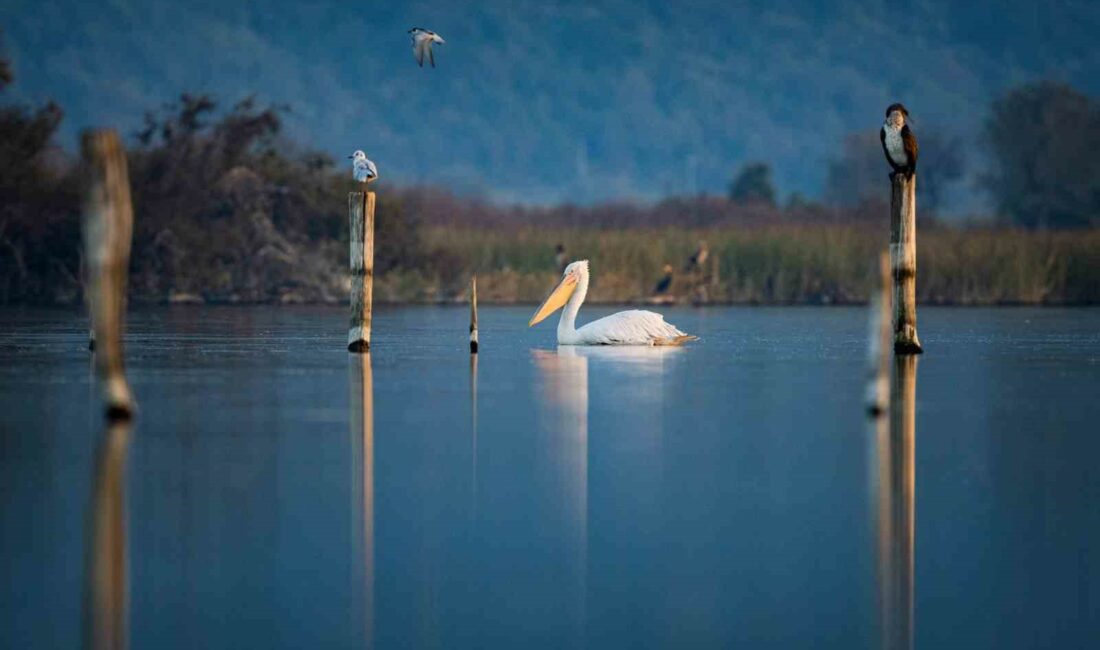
(278, 492)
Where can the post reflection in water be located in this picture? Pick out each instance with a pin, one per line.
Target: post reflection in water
(896, 488)
(563, 396)
(362, 497)
(473, 435)
(106, 578)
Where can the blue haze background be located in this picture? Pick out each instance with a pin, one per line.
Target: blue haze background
(540, 102)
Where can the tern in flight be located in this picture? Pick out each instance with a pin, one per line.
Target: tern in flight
(422, 40)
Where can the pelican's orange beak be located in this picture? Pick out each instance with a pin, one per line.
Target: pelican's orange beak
(558, 297)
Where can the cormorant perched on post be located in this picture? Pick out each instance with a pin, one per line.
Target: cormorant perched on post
(898, 142)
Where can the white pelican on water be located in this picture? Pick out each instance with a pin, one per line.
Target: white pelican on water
(633, 327)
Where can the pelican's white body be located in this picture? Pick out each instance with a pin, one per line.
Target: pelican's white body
(633, 327)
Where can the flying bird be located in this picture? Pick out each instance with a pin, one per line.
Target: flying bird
(422, 40)
(363, 170)
(898, 142)
(633, 327)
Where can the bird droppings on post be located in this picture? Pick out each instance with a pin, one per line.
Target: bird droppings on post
(473, 316)
(107, 231)
(361, 259)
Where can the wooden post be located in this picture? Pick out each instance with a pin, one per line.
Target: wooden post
(86, 290)
(108, 226)
(361, 214)
(878, 335)
(106, 601)
(473, 316)
(903, 255)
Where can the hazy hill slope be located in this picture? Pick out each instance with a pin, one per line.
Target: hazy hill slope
(540, 101)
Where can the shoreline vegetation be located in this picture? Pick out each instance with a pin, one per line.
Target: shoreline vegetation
(228, 210)
(769, 265)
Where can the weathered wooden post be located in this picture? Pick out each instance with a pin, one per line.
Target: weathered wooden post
(878, 337)
(473, 316)
(108, 226)
(361, 214)
(106, 601)
(903, 256)
(86, 290)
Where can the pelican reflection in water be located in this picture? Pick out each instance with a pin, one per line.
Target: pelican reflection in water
(106, 578)
(563, 452)
(895, 443)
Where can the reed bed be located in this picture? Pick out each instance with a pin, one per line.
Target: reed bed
(782, 264)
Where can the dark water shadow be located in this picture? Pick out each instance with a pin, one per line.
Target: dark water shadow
(106, 573)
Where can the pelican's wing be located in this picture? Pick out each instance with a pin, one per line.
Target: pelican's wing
(633, 327)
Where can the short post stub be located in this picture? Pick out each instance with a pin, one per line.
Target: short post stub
(473, 315)
(361, 216)
(108, 221)
(878, 339)
(903, 258)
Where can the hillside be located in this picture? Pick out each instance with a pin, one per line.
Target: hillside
(539, 103)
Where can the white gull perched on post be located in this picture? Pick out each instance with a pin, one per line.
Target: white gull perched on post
(362, 169)
(422, 40)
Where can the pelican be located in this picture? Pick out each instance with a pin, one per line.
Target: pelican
(633, 327)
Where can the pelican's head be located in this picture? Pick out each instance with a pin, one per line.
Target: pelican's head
(572, 276)
(896, 115)
(358, 155)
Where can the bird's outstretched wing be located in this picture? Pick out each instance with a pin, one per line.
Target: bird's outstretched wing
(418, 49)
(431, 56)
(909, 142)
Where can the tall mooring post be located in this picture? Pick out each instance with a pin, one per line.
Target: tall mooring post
(473, 315)
(361, 215)
(903, 258)
(108, 222)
